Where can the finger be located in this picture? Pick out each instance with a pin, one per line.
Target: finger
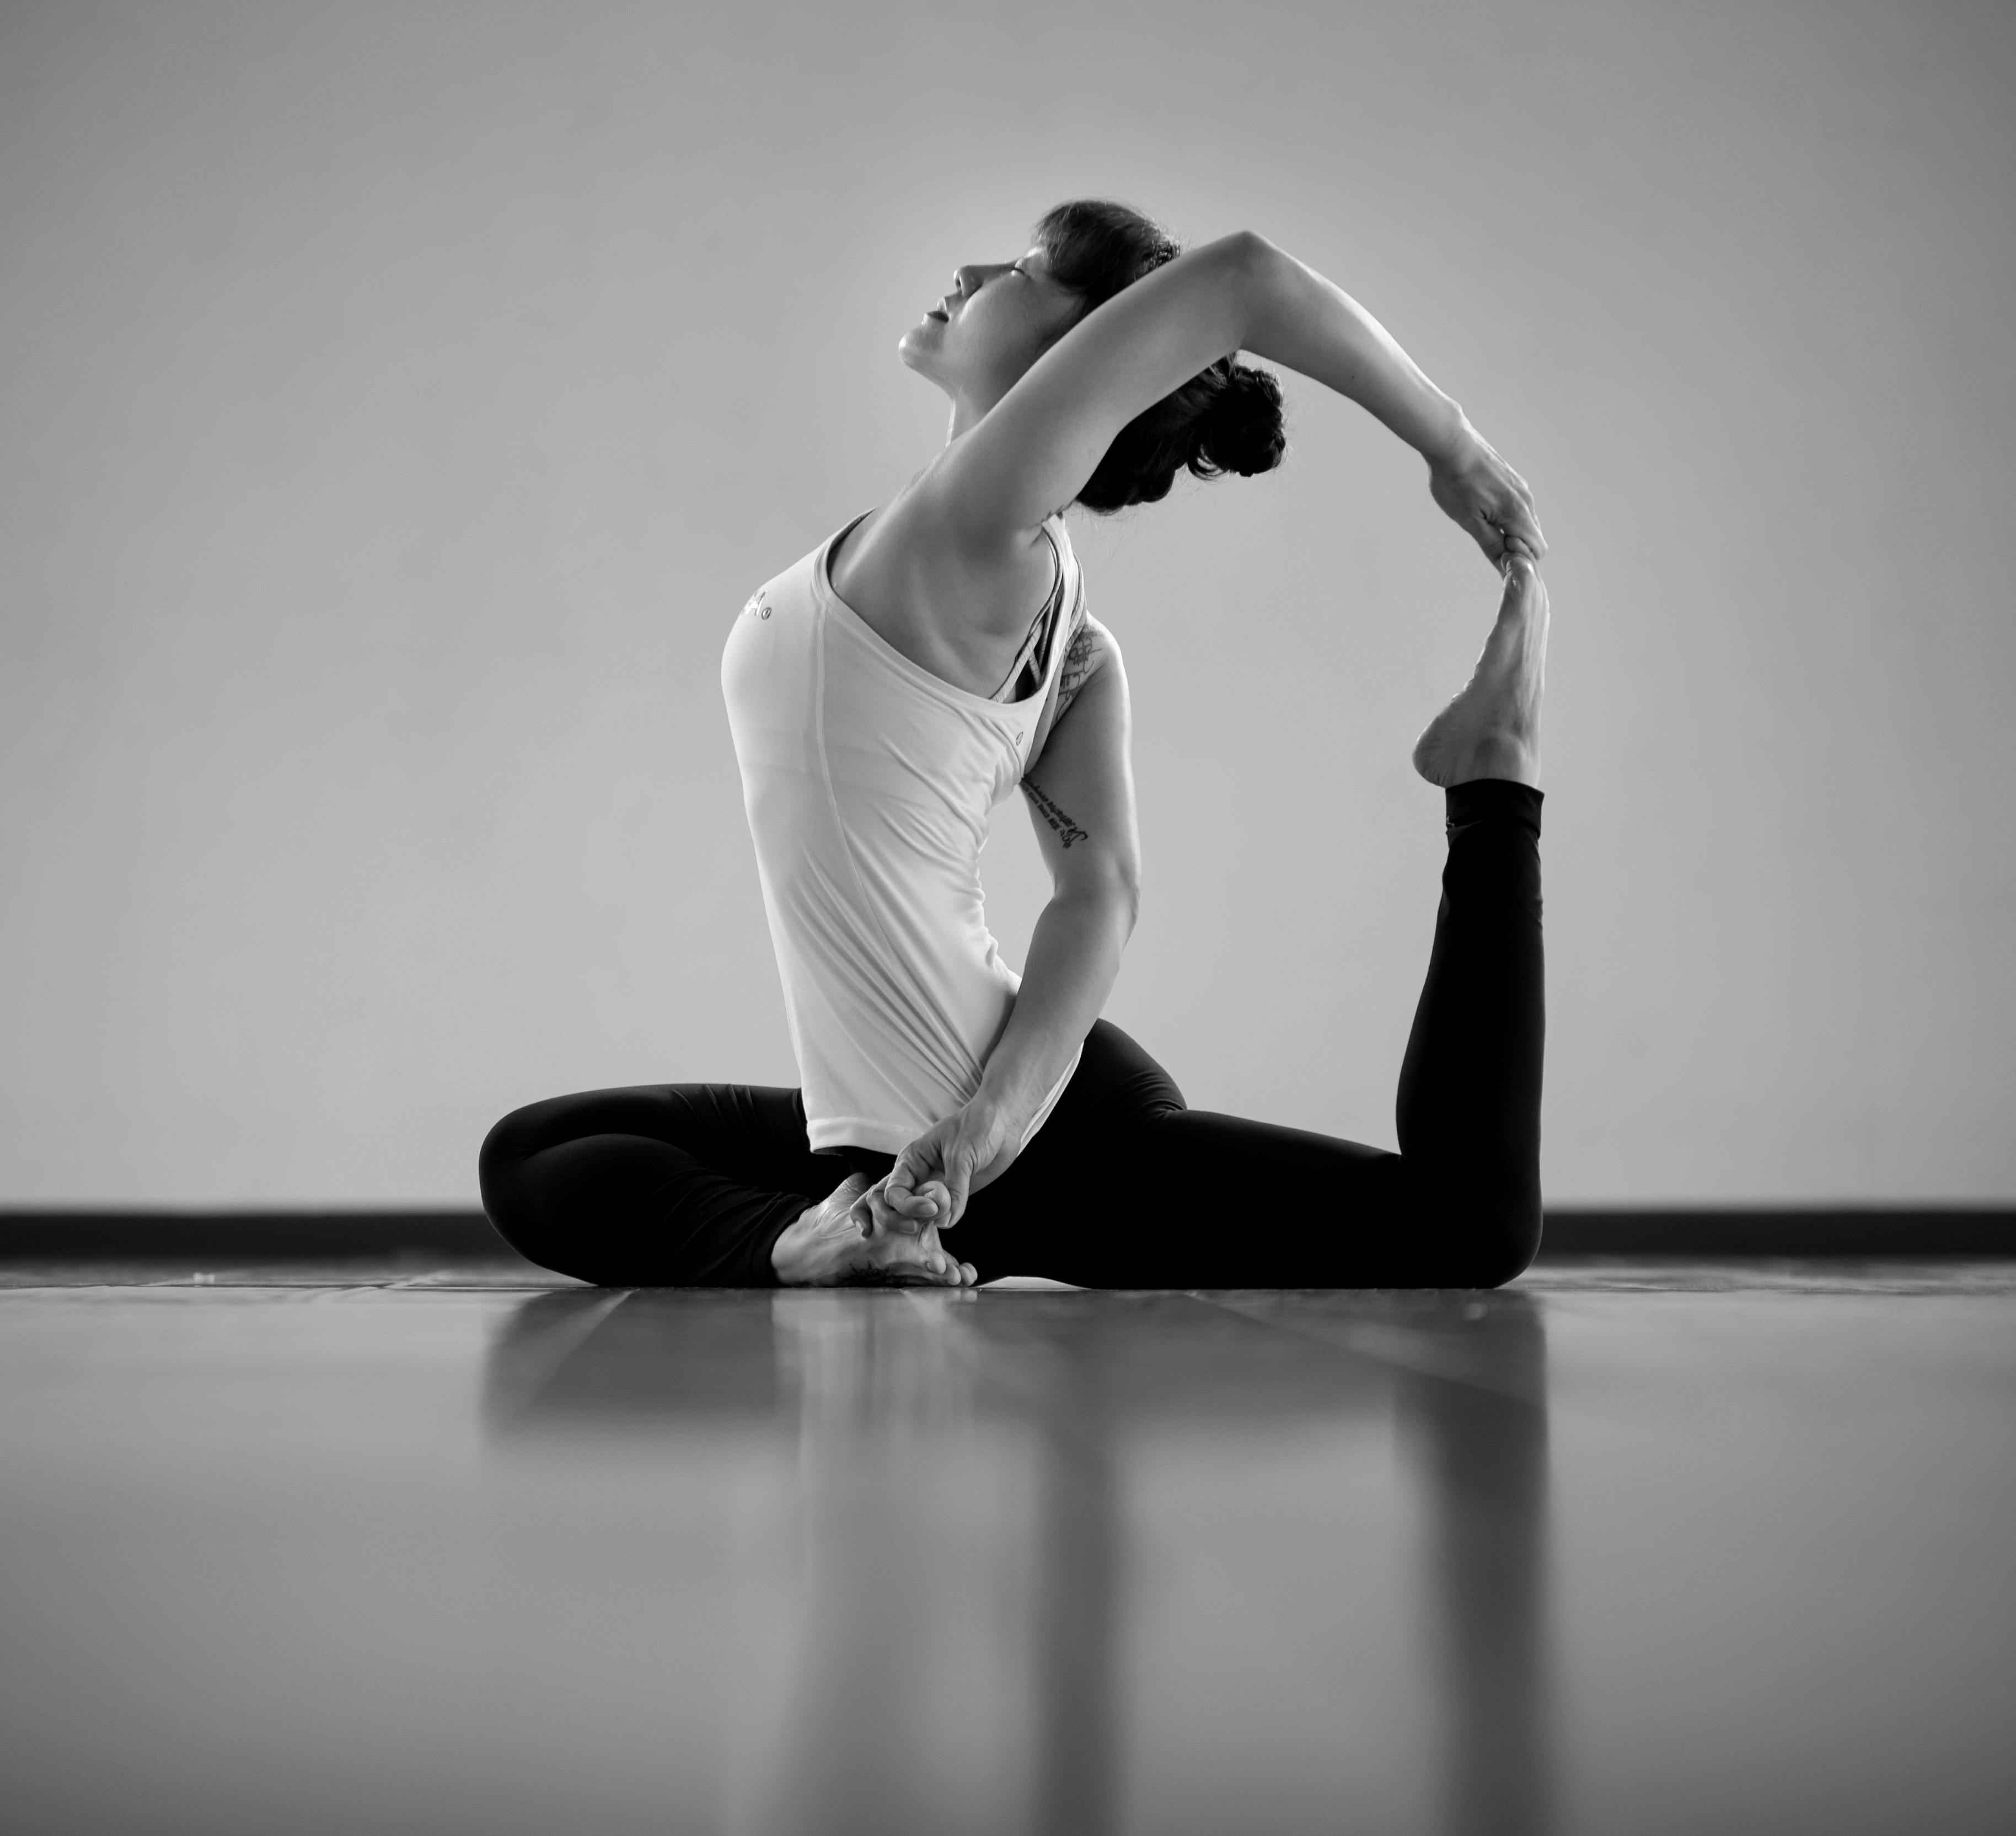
(890, 1219)
(903, 1175)
(1522, 523)
(957, 1181)
(917, 1163)
(913, 1200)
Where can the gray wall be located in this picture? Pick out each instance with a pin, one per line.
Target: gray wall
(399, 401)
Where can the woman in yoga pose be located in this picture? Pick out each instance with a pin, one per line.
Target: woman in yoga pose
(898, 682)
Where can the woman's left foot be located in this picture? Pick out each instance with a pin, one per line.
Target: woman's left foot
(1492, 728)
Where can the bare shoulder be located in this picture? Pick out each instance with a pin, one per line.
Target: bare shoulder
(958, 611)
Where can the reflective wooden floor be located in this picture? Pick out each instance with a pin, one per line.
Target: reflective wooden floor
(1634, 1551)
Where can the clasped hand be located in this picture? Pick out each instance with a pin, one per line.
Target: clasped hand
(933, 1177)
(1484, 497)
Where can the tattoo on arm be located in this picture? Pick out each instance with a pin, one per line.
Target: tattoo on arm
(1079, 660)
(1068, 830)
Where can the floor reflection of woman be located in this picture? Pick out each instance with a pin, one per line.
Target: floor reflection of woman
(896, 683)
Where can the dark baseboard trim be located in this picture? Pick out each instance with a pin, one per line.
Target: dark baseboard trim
(248, 1237)
(1837, 1233)
(1834, 1233)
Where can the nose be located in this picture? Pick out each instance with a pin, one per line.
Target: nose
(968, 277)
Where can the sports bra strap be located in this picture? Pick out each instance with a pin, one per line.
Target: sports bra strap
(1032, 664)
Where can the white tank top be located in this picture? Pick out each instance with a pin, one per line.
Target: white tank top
(867, 781)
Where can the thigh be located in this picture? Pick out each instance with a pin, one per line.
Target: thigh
(678, 1184)
(1115, 1086)
(1160, 1196)
(754, 1134)
(1116, 1079)
(1202, 1200)
(1007, 1224)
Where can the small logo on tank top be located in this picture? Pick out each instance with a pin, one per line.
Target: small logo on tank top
(758, 605)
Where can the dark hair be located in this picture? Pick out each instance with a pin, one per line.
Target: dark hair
(1225, 419)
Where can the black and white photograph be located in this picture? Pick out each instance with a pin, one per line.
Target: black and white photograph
(993, 918)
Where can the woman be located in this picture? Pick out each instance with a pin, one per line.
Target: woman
(889, 690)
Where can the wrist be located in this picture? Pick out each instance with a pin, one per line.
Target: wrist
(1448, 438)
(999, 1108)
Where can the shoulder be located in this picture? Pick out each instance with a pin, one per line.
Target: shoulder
(909, 572)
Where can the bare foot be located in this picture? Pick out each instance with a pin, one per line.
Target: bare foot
(837, 1242)
(1492, 728)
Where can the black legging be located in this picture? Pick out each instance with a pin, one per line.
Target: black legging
(1124, 1187)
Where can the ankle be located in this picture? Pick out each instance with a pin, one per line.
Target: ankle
(816, 1244)
(1501, 754)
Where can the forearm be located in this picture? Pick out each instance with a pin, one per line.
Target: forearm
(1073, 958)
(1294, 316)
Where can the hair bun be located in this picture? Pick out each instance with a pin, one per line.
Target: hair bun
(1242, 429)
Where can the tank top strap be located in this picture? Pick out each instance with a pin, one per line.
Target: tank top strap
(1031, 669)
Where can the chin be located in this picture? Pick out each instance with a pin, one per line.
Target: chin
(915, 350)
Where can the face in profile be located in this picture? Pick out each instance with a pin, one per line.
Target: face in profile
(998, 319)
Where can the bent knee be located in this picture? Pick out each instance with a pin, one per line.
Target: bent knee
(500, 1159)
(510, 1201)
(1500, 1244)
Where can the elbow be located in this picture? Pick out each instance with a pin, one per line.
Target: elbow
(1253, 267)
(1250, 248)
(1250, 256)
(1123, 870)
(1113, 892)
(1121, 895)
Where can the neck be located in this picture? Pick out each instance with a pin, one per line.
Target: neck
(969, 407)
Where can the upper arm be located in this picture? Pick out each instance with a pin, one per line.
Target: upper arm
(1080, 787)
(1033, 451)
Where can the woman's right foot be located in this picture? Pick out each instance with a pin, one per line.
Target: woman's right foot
(835, 1244)
(1492, 728)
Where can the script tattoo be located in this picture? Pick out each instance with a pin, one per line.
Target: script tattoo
(1068, 830)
